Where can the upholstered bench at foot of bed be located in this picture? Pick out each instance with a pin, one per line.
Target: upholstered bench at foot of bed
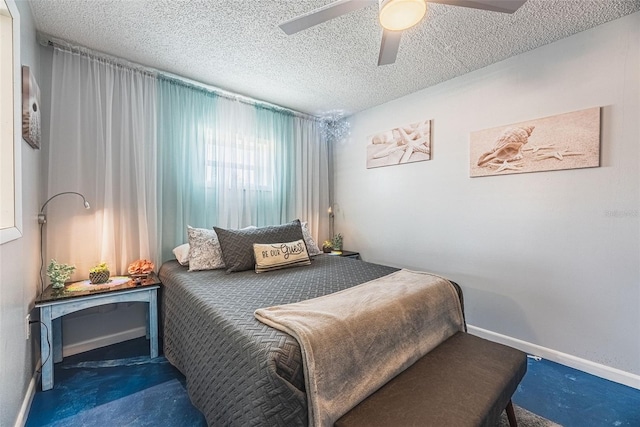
(465, 381)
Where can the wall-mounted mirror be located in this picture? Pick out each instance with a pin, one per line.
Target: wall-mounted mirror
(10, 123)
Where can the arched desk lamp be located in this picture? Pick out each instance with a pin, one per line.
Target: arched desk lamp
(42, 220)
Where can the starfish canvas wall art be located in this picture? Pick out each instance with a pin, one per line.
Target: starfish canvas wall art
(404, 144)
(564, 141)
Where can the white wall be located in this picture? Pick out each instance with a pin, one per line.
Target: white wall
(550, 258)
(19, 263)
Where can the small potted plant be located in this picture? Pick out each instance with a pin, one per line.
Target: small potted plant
(99, 274)
(59, 273)
(327, 245)
(336, 242)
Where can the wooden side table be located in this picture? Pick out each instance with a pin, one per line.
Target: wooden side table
(54, 304)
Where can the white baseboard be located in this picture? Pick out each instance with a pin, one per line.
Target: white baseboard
(602, 371)
(103, 341)
(21, 420)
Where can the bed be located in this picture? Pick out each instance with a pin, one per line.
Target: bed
(240, 372)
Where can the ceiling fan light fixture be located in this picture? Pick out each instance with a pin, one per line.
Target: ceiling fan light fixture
(398, 15)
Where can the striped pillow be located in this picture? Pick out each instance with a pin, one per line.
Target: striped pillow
(274, 256)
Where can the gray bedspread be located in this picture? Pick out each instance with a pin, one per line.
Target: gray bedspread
(239, 371)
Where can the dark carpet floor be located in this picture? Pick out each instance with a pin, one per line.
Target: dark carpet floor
(119, 385)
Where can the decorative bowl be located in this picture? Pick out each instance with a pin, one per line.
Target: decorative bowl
(99, 277)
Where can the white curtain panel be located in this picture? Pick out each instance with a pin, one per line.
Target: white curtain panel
(311, 159)
(102, 144)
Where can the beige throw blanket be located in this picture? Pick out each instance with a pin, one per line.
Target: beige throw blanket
(356, 340)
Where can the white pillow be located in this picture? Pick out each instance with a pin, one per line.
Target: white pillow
(275, 256)
(312, 246)
(204, 249)
(182, 254)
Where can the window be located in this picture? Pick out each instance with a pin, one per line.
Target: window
(235, 162)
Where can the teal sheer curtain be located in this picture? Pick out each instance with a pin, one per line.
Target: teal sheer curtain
(228, 163)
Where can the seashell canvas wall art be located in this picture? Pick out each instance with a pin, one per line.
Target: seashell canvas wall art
(564, 141)
(404, 144)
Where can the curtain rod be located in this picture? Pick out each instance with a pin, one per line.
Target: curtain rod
(50, 41)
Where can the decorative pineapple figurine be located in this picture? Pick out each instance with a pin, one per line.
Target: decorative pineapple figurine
(99, 274)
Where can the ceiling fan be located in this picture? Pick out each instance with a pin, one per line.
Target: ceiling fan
(395, 16)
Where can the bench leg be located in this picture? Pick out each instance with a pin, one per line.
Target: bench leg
(511, 415)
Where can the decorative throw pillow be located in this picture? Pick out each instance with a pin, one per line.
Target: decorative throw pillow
(312, 247)
(275, 256)
(182, 254)
(204, 249)
(237, 245)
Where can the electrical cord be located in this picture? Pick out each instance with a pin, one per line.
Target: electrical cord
(48, 344)
(41, 262)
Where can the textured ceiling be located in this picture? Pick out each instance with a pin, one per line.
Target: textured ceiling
(236, 45)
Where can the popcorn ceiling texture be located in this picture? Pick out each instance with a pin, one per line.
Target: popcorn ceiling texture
(236, 45)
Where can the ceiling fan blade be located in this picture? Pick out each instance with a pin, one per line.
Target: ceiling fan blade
(389, 47)
(504, 6)
(323, 14)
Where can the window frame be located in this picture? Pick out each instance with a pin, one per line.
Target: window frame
(13, 146)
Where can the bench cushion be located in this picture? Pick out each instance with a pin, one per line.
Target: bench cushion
(465, 381)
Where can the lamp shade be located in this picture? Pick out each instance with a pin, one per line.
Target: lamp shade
(398, 15)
